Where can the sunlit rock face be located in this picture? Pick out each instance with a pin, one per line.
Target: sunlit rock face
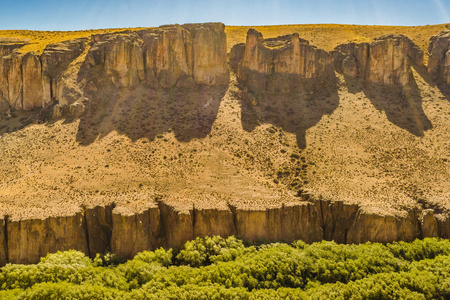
(439, 61)
(171, 55)
(282, 64)
(387, 60)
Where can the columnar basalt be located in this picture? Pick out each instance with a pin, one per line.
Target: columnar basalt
(439, 61)
(174, 55)
(179, 55)
(165, 224)
(283, 64)
(387, 60)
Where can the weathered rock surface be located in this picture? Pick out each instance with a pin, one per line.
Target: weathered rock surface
(133, 233)
(371, 224)
(387, 60)
(100, 229)
(3, 242)
(169, 55)
(29, 240)
(6, 48)
(439, 60)
(181, 55)
(282, 64)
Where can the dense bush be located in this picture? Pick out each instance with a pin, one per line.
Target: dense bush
(217, 268)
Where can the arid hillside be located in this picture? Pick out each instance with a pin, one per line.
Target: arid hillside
(355, 160)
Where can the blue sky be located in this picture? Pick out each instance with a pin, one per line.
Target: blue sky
(92, 14)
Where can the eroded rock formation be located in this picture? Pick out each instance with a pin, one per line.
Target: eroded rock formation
(387, 60)
(282, 64)
(439, 61)
(167, 56)
(181, 55)
(99, 229)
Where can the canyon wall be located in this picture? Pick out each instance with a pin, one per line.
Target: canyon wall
(387, 60)
(282, 64)
(109, 228)
(439, 61)
(175, 55)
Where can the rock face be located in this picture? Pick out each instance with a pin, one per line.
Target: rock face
(283, 64)
(29, 240)
(175, 55)
(439, 61)
(163, 57)
(387, 60)
(99, 229)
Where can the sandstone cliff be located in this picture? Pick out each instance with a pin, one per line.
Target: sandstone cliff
(439, 61)
(282, 64)
(387, 60)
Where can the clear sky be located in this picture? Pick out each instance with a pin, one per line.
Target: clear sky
(94, 14)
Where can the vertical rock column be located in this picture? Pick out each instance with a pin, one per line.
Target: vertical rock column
(31, 239)
(439, 60)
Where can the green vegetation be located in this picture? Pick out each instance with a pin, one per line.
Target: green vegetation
(217, 268)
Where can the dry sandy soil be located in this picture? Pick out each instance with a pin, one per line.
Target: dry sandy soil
(355, 142)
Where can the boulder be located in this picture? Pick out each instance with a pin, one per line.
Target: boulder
(439, 60)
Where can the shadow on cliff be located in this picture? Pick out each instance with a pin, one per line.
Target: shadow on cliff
(147, 113)
(402, 108)
(295, 111)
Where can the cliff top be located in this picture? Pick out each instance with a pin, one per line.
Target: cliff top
(325, 36)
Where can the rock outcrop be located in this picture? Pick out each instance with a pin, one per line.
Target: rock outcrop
(283, 64)
(387, 60)
(29, 240)
(170, 55)
(100, 229)
(439, 60)
(175, 55)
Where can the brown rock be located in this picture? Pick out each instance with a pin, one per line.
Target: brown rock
(429, 224)
(133, 233)
(15, 82)
(217, 221)
(337, 218)
(443, 225)
(99, 229)
(177, 225)
(439, 60)
(36, 87)
(282, 64)
(168, 55)
(29, 240)
(6, 48)
(119, 56)
(289, 222)
(386, 60)
(56, 60)
(3, 243)
(373, 225)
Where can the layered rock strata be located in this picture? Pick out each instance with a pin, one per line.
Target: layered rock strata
(282, 64)
(439, 60)
(105, 228)
(387, 60)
